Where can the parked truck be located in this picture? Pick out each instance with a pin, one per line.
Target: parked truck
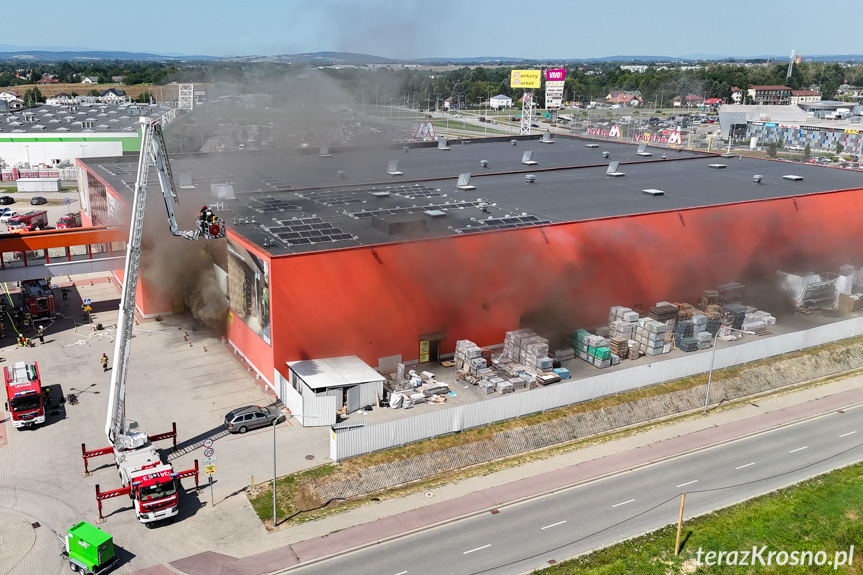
(72, 220)
(29, 221)
(24, 400)
(149, 481)
(37, 297)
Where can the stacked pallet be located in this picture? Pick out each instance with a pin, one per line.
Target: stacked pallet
(757, 321)
(564, 354)
(664, 311)
(466, 350)
(620, 313)
(733, 315)
(687, 344)
(683, 331)
(730, 293)
(601, 357)
(634, 349)
(704, 338)
(579, 343)
(518, 383)
(512, 343)
(487, 386)
(650, 334)
(534, 352)
(708, 297)
(619, 346)
(561, 372)
(621, 329)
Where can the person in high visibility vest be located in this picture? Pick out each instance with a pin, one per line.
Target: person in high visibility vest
(40, 333)
(104, 360)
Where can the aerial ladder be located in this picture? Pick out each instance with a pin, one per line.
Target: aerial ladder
(149, 481)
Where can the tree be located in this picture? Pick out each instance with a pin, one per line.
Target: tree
(839, 147)
(93, 92)
(772, 149)
(807, 151)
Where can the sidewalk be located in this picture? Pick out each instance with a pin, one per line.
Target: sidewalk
(388, 519)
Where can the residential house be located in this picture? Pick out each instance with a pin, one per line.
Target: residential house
(736, 95)
(112, 96)
(90, 80)
(769, 95)
(48, 79)
(693, 100)
(118, 79)
(805, 96)
(14, 100)
(625, 98)
(500, 101)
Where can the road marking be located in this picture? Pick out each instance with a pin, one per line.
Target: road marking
(747, 465)
(847, 434)
(477, 549)
(624, 503)
(554, 524)
(798, 449)
(401, 573)
(688, 483)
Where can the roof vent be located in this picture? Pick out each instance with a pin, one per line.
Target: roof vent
(380, 194)
(591, 145)
(406, 149)
(530, 179)
(653, 192)
(792, 178)
(442, 144)
(342, 174)
(757, 178)
(435, 214)
(483, 163)
(606, 154)
(717, 166)
(514, 142)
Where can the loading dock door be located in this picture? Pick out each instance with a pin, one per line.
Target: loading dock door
(354, 399)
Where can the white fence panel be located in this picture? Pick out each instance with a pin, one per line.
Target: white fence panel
(360, 440)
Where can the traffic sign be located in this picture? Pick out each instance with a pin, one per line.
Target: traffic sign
(208, 443)
(68, 201)
(88, 308)
(87, 301)
(210, 469)
(209, 460)
(209, 452)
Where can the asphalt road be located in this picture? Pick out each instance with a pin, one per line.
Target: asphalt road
(526, 536)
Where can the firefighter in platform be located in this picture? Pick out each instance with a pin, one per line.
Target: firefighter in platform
(104, 360)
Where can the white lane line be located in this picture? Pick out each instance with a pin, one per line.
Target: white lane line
(553, 525)
(401, 573)
(624, 503)
(747, 465)
(688, 483)
(798, 449)
(477, 549)
(847, 434)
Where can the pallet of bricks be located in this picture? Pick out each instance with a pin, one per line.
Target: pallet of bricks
(666, 313)
(622, 323)
(468, 357)
(757, 320)
(650, 335)
(692, 335)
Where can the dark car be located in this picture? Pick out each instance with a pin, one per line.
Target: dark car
(243, 419)
(6, 200)
(38, 200)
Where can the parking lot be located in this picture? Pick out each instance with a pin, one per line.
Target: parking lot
(169, 381)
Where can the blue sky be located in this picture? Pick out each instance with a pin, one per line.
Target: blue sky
(443, 28)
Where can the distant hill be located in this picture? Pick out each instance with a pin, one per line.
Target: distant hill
(46, 54)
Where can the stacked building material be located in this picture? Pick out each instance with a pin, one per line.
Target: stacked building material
(579, 343)
(476, 364)
(730, 293)
(622, 329)
(564, 354)
(708, 297)
(651, 335)
(631, 316)
(602, 357)
(634, 349)
(544, 363)
(684, 330)
(512, 369)
(615, 359)
(518, 382)
(699, 323)
(687, 344)
(504, 387)
(562, 372)
(850, 303)
(512, 343)
(733, 315)
(704, 338)
(487, 386)
(465, 350)
(534, 352)
(546, 378)
(713, 324)
(664, 311)
(619, 346)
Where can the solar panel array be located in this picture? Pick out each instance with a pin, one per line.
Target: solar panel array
(276, 183)
(337, 198)
(413, 192)
(510, 223)
(306, 231)
(413, 209)
(270, 204)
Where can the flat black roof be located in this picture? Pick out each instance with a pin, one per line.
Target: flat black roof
(368, 206)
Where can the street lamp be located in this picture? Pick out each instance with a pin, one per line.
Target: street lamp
(713, 358)
(275, 421)
(27, 148)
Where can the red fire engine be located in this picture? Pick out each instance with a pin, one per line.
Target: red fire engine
(29, 221)
(37, 298)
(24, 394)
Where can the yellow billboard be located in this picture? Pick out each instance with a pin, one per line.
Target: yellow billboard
(525, 79)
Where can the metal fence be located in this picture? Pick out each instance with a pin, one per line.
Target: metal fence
(355, 441)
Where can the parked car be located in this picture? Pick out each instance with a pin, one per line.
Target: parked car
(38, 200)
(6, 200)
(243, 419)
(8, 216)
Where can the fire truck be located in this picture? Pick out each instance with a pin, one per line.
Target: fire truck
(24, 400)
(29, 221)
(38, 298)
(150, 482)
(69, 221)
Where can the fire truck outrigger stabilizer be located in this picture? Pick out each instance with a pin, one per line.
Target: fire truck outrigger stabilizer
(149, 481)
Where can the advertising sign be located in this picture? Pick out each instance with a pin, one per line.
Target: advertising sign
(558, 74)
(553, 93)
(525, 79)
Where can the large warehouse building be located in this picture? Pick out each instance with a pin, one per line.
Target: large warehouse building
(340, 252)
